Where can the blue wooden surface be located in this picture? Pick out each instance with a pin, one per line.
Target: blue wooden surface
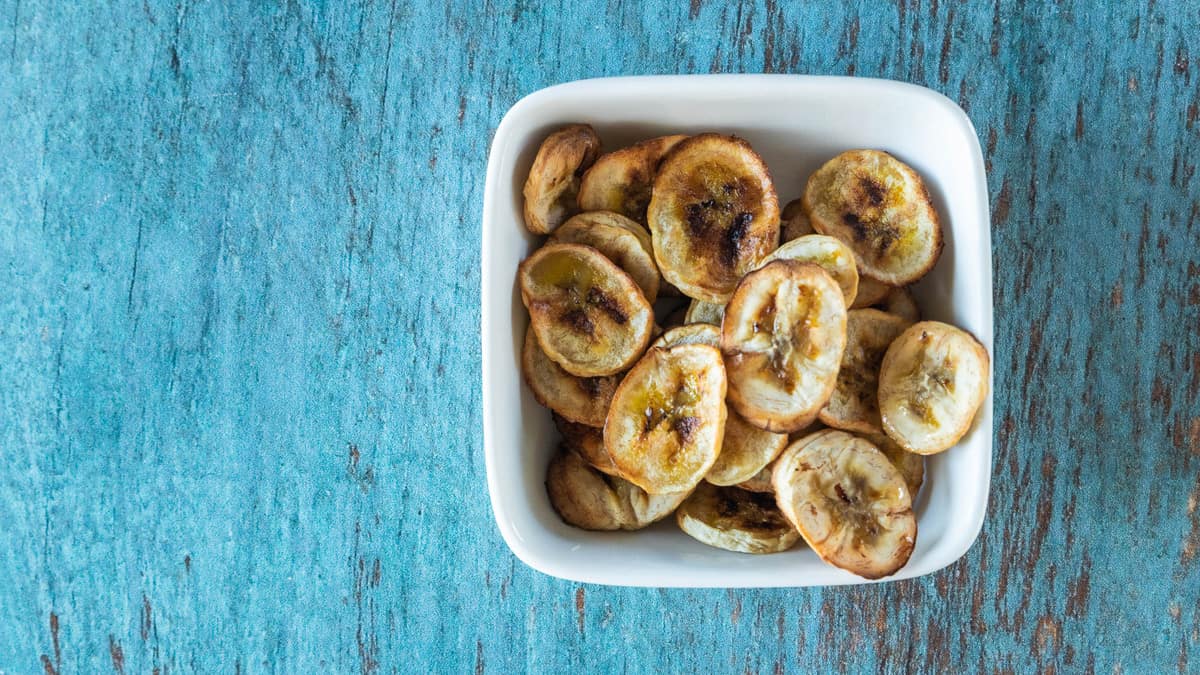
(240, 425)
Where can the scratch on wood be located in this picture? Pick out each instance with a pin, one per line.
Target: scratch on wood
(147, 618)
(1080, 590)
(478, 657)
(55, 667)
(1003, 202)
(736, 613)
(1192, 543)
(1117, 296)
(1079, 121)
(579, 593)
(116, 654)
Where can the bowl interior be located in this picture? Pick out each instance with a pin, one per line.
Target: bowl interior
(796, 123)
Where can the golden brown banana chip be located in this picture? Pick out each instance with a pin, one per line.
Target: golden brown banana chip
(759, 482)
(579, 399)
(909, 464)
(870, 292)
(880, 207)
(853, 405)
(591, 500)
(848, 502)
(667, 418)
(712, 216)
(735, 520)
(933, 379)
(690, 334)
(705, 312)
(782, 339)
(832, 255)
(745, 450)
(587, 442)
(615, 236)
(553, 181)
(620, 181)
(794, 221)
(589, 315)
(900, 302)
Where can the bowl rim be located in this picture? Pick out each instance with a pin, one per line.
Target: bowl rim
(694, 83)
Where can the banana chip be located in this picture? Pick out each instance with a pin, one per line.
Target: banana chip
(794, 221)
(910, 465)
(880, 207)
(580, 399)
(848, 502)
(853, 405)
(591, 500)
(712, 216)
(900, 302)
(553, 182)
(870, 292)
(745, 450)
(933, 379)
(782, 338)
(690, 334)
(620, 181)
(589, 316)
(705, 312)
(587, 442)
(616, 237)
(667, 419)
(736, 520)
(832, 255)
(759, 482)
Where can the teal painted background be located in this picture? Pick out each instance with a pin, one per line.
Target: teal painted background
(239, 351)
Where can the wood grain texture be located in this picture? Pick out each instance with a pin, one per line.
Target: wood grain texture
(240, 425)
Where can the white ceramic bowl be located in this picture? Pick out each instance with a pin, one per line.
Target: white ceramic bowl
(796, 123)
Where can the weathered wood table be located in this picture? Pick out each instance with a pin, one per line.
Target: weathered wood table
(239, 254)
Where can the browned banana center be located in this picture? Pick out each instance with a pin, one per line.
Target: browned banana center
(658, 408)
(853, 505)
(866, 205)
(718, 209)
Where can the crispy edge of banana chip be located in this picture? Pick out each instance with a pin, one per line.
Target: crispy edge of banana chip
(736, 520)
(554, 177)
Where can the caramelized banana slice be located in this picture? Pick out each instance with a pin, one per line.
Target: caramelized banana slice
(880, 207)
(579, 399)
(933, 379)
(745, 450)
(870, 292)
(832, 255)
(705, 312)
(615, 236)
(667, 418)
(736, 520)
(589, 316)
(782, 338)
(620, 181)
(712, 216)
(587, 442)
(553, 181)
(848, 502)
(690, 334)
(910, 465)
(900, 302)
(794, 221)
(853, 405)
(591, 500)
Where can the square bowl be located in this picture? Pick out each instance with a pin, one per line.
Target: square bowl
(796, 123)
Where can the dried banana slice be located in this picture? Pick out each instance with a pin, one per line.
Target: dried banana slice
(690, 334)
(620, 181)
(848, 502)
(705, 312)
(587, 442)
(745, 450)
(794, 221)
(712, 216)
(591, 500)
(832, 255)
(782, 338)
(759, 482)
(853, 405)
(900, 302)
(553, 182)
(933, 379)
(615, 236)
(580, 399)
(736, 520)
(910, 465)
(667, 418)
(870, 292)
(589, 316)
(880, 207)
